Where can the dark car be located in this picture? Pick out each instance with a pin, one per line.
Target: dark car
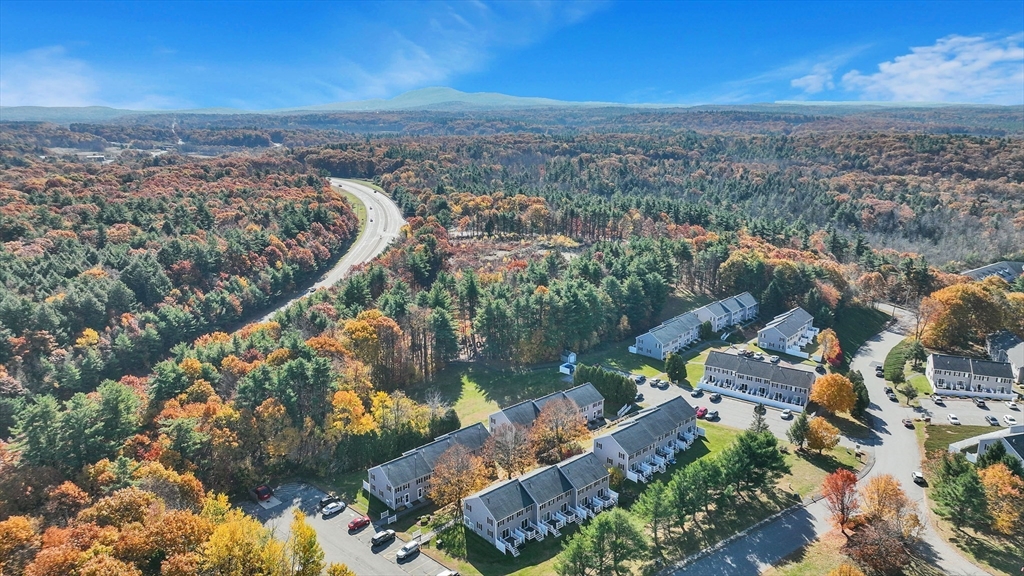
(918, 478)
(697, 393)
(892, 397)
(711, 415)
(358, 523)
(329, 499)
(715, 397)
(639, 398)
(382, 537)
(820, 368)
(701, 412)
(639, 379)
(263, 493)
(887, 390)
(908, 422)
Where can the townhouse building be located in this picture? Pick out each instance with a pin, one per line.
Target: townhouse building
(788, 332)
(644, 443)
(679, 332)
(969, 377)
(589, 401)
(757, 381)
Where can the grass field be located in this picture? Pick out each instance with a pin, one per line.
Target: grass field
(920, 383)
(808, 469)
(939, 437)
(475, 391)
(357, 206)
(815, 559)
(855, 325)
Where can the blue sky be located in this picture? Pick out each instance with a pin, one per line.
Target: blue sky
(263, 55)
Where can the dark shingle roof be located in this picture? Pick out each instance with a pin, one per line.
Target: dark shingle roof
(1016, 441)
(1008, 271)
(524, 413)
(645, 428)
(545, 484)
(952, 363)
(972, 366)
(671, 329)
(584, 395)
(746, 299)
(583, 470)
(1005, 346)
(791, 322)
(758, 368)
(420, 462)
(505, 499)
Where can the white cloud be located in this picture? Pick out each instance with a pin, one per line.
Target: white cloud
(818, 80)
(955, 69)
(46, 77)
(450, 40)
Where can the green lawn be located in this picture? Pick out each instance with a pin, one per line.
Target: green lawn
(476, 392)
(939, 437)
(367, 183)
(816, 559)
(357, 206)
(920, 383)
(855, 325)
(808, 469)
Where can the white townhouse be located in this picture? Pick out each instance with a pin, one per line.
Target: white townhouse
(643, 444)
(788, 332)
(589, 401)
(679, 332)
(1005, 346)
(1012, 439)
(969, 377)
(404, 480)
(757, 381)
(540, 503)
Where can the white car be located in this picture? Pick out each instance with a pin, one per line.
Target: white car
(786, 414)
(409, 549)
(1012, 405)
(448, 573)
(333, 508)
(773, 359)
(953, 419)
(1010, 420)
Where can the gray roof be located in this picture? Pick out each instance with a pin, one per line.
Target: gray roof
(1016, 441)
(972, 366)
(524, 413)
(1008, 271)
(746, 299)
(1005, 346)
(505, 499)
(545, 484)
(758, 368)
(717, 309)
(644, 429)
(671, 329)
(583, 470)
(791, 322)
(420, 462)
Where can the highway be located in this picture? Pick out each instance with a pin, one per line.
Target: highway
(383, 224)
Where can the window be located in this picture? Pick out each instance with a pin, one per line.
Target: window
(490, 521)
(490, 534)
(479, 527)
(469, 508)
(598, 444)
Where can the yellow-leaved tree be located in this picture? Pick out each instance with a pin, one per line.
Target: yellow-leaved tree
(1005, 494)
(242, 546)
(821, 435)
(834, 392)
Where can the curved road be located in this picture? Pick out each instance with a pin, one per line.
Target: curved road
(383, 223)
(895, 451)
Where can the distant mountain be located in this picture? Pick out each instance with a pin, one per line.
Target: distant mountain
(444, 99)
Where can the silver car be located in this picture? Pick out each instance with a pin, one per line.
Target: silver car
(408, 550)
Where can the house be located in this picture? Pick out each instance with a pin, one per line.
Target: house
(586, 397)
(788, 332)
(969, 377)
(1008, 271)
(404, 480)
(539, 504)
(1012, 439)
(1005, 346)
(677, 333)
(757, 381)
(643, 444)
(669, 336)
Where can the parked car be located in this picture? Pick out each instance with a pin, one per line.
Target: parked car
(697, 393)
(1012, 405)
(917, 477)
(773, 359)
(382, 537)
(908, 422)
(887, 389)
(892, 397)
(663, 385)
(333, 508)
(711, 415)
(701, 412)
(758, 356)
(953, 419)
(1009, 420)
(938, 400)
(639, 398)
(978, 402)
(715, 397)
(447, 573)
(263, 493)
(991, 420)
(358, 523)
(786, 414)
(639, 378)
(820, 368)
(329, 499)
(655, 382)
(408, 550)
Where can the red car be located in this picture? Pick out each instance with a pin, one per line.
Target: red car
(358, 523)
(263, 493)
(701, 412)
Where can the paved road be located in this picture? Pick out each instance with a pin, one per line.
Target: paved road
(350, 548)
(383, 223)
(896, 452)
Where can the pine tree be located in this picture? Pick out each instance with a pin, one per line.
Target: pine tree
(961, 499)
(797, 432)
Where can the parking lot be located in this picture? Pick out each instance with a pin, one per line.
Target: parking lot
(351, 549)
(967, 412)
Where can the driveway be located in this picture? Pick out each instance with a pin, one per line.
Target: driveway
(895, 451)
(338, 544)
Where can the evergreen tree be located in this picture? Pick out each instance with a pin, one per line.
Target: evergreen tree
(675, 367)
(961, 499)
(797, 432)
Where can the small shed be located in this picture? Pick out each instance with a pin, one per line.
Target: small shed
(568, 357)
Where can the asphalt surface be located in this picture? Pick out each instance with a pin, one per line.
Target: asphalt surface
(895, 451)
(339, 545)
(383, 224)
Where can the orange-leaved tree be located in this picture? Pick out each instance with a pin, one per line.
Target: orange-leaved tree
(509, 448)
(840, 492)
(821, 435)
(831, 351)
(557, 431)
(1005, 494)
(834, 392)
(457, 474)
